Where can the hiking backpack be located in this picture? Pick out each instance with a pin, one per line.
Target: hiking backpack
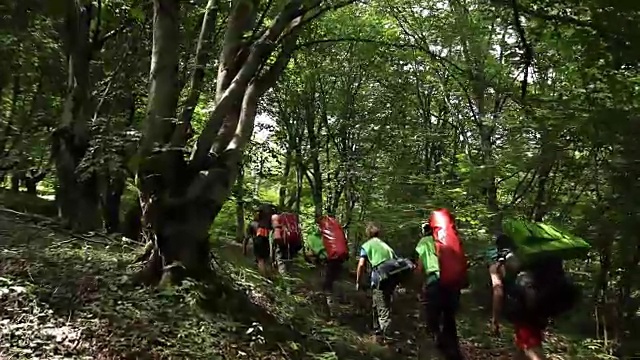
(400, 269)
(291, 231)
(333, 238)
(535, 241)
(451, 256)
(541, 288)
(539, 283)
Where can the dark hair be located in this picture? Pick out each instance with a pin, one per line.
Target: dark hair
(372, 230)
(503, 241)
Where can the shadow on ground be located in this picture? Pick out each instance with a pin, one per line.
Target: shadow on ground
(67, 296)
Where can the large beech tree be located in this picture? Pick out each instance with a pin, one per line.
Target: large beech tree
(182, 190)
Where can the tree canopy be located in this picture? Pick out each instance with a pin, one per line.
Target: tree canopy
(142, 118)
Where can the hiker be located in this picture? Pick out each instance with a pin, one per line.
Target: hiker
(529, 326)
(529, 283)
(258, 231)
(326, 245)
(286, 239)
(387, 271)
(441, 280)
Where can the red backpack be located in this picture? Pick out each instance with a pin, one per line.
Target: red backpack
(291, 231)
(333, 238)
(451, 256)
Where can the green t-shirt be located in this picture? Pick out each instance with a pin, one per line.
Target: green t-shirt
(313, 241)
(378, 251)
(426, 250)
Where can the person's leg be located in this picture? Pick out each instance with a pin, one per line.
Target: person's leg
(261, 252)
(377, 299)
(327, 284)
(281, 256)
(529, 336)
(431, 309)
(449, 335)
(384, 307)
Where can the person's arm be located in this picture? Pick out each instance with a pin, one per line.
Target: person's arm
(362, 264)
(419, 276)
(498, 293)
(247, 236)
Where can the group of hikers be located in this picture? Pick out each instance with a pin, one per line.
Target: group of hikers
(525, 265)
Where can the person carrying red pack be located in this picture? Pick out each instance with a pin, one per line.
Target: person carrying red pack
(286, 239)
(326, 245)
(442, 269)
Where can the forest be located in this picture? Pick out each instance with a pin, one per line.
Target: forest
(169, 121)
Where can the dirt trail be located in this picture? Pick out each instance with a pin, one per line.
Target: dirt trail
(409, 337)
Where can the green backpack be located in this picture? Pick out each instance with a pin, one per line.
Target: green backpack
(538, 241)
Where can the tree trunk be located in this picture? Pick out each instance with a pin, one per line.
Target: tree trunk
(76, 194)
(179, 198)
(31, 185)
(239, 195)
(299, 182)
(112, 198)
(315, 181)
(161, 174)
(15, 182)
(547, 160)
(132, 225)
(180, 237)
(206, 42)
(284, 181)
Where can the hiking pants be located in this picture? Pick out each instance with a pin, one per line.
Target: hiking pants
(381, 309)
(281, 257)
(283, 254)
(440, 305)
(332, 270)
(331, 273)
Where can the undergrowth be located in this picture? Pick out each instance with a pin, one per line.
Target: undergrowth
(65, 297)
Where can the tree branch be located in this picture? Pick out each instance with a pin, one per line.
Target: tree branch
(111, 34)
(260, 51)
(528, 50)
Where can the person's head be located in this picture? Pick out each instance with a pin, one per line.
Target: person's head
(372, 230)
(425, 229)
(503, 241)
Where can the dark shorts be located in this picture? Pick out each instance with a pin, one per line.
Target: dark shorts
(332, 270)
(261, 247)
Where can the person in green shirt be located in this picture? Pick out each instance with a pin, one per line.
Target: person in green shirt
(315, 252)
(439, 303)
(377, 252)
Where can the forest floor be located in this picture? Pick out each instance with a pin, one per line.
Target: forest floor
(64, 296)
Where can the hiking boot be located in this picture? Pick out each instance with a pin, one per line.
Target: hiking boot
(330, 306)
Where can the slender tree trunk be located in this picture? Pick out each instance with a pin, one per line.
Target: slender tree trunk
(547, 160)
(239, 195)
(206, 42)
(7, 132)
(111, 205)
(299, 181)
(316, 182)
(284, 181)
(15, 182)
(31, 185)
